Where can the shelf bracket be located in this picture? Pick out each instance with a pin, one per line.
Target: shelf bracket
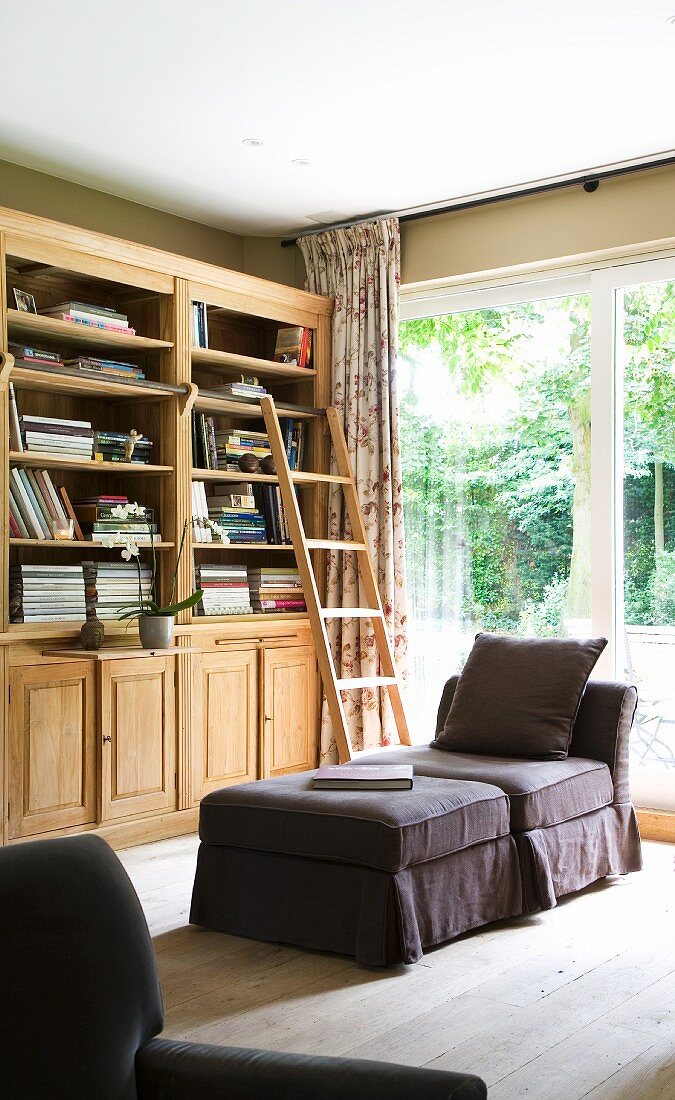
(186, 400)
(6, 364)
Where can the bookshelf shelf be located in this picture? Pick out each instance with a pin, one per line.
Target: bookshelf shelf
(22, 326)
(210, 402)
(78, 385)
(256, 617)
(54, 544)
(56, 462)
(264, 546)
(233, 364)
(299, 477)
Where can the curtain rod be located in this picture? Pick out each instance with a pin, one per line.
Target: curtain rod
(590, 182)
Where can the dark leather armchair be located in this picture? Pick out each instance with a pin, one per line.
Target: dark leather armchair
(82, 1004)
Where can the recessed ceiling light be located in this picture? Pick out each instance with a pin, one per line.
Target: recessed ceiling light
(300, 162)
(253, 141)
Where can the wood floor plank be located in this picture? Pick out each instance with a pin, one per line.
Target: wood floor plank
(569, 1003)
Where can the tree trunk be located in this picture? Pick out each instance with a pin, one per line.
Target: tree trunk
(578, 598)
(659, 534)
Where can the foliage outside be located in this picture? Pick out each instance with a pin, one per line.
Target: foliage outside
(496, 468)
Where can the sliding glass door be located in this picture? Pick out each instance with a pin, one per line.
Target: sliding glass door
(538, 440)
(643, 615)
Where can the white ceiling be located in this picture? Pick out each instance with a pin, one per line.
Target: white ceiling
(396, 103)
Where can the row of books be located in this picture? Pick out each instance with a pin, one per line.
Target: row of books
(85, 364)
(247, 513)
(72, 438)
(84, 313)
(55, 593)
(39, 510)
(214, 449)
(36, 505)
(233, 589)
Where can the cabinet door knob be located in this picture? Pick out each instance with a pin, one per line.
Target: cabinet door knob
(107, 737)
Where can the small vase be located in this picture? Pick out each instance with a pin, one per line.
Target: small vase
(92, 633)
(156, 631)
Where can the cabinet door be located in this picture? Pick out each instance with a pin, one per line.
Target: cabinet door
(138, 732)
(52, 750)
(224, 720)
(290, 710)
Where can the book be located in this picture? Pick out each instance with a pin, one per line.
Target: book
(36, 355)
(364, 777)
(15, 440)
(69, 511)
(200, 326)
(86, 307)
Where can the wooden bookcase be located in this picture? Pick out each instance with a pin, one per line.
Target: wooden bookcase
(237, 698)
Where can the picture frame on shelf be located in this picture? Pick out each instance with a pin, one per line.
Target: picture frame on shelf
(25, 302)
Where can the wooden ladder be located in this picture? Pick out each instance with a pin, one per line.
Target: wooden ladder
(333, 686)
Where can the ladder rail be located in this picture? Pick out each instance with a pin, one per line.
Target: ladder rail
(333, 685)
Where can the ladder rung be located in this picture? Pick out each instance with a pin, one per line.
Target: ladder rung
(333, 544)
(306, 477)
(365, 682)
(351, 613)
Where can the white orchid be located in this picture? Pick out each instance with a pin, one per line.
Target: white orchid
(129, 546)
(219, 533)
(124, 511)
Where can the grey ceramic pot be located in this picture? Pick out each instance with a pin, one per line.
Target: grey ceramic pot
(156, 631)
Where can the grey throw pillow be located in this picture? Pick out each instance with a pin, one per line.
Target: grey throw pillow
(519, 696)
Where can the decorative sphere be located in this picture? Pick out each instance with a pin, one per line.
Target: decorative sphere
(267, 465)
(248, 463)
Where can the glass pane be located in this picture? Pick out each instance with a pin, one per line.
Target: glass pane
(646, 315)
(496, 478)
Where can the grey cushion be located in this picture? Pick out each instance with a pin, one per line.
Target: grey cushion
(519, 697)
(388, 830)
(541, 792)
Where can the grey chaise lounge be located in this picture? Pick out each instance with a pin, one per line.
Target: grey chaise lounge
(384, 877)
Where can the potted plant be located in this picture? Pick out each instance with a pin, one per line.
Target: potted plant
(155, 623)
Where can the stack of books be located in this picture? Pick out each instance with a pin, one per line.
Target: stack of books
(111, 368)
(35, 504)
(111, 447)
(46, 593)
(276, 589)
(96, 518)
(294, 346)
(112, 587)
(49, 435)
(84, 313)
(28, 357)
(225, 589)
(293, 435)
(240, 391)
(232, 444)
(241, 522)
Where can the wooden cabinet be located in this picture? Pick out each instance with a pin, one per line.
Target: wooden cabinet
(289, 710)
(224, 720)
(138, 734)
(52, 748)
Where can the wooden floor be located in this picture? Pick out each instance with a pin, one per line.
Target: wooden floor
(576, 1002)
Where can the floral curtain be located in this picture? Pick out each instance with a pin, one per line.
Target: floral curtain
(360, 268)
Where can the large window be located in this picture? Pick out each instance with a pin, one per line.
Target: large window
(522, 519)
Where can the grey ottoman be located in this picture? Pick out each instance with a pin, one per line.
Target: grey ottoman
(381, 875)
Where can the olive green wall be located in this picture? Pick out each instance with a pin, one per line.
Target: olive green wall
(629, 210)
(49, 197)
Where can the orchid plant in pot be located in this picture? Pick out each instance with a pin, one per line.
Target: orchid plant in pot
(155, 623)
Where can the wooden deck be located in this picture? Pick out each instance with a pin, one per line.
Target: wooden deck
(577, 1002)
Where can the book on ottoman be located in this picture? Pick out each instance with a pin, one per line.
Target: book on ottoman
(365, 777)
